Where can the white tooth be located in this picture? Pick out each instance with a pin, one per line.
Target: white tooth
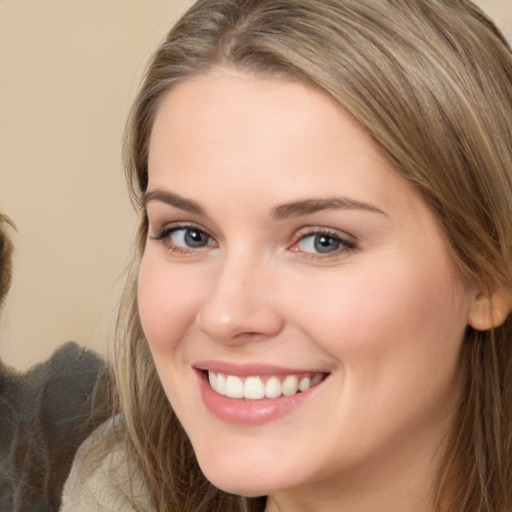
(254, 388)
(304, 384)
(234, 387)
(220, 384)
(317, 379)
(273, 388)
(212, 376)
(290, 385)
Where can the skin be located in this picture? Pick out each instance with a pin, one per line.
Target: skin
(384, 316)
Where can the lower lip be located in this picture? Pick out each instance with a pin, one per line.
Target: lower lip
(250, 412)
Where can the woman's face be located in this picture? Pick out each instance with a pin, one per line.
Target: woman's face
(289, 264)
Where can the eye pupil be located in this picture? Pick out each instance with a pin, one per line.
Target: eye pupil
(195, 238)
(325, 243)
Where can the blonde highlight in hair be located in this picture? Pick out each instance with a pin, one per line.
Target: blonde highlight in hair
(431, 82)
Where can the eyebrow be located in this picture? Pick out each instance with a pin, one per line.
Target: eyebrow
(281, 212)
(310, 206)
(172, 199)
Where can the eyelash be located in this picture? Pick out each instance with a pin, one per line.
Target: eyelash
(167, 231)
(345, 245)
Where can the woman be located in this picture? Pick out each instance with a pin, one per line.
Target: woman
(319, 313)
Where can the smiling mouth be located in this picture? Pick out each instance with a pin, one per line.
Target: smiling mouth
(258, 388)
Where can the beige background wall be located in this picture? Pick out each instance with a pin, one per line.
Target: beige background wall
(68, 72)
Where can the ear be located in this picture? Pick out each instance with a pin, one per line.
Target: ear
(490, 309)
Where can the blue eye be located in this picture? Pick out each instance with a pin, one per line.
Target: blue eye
(323, 243)
(183, 239)
(189, 238)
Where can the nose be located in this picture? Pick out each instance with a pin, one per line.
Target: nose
(241, 305)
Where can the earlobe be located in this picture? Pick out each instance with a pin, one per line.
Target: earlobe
(490, 310)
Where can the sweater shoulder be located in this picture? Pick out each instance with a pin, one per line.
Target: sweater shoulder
(102, 479)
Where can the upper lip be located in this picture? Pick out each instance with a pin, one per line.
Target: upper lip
(249, 369)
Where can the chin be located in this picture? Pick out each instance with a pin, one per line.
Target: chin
(251, 482)
(241, 487)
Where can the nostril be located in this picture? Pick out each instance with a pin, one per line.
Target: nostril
(250, 334)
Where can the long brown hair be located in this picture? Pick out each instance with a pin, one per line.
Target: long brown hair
(431, 83)
(6, 249)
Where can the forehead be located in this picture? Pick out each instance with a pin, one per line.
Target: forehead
(259, 100)
(237, 120)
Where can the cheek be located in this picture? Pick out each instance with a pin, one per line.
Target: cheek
(167, 301)
(396, 336)
(395, 308)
